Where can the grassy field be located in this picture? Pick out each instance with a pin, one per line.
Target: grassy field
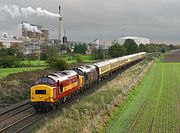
(39, 64)
(154, 106)
(7, 71)
(71, 59)
(35, 63)
(90, 113)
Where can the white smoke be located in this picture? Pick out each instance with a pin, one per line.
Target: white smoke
(15, 11)
(5, 35)
(31, 28)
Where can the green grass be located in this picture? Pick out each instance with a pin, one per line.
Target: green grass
(34, 63)
(154, 106)
(39, 64)
(90, 112)
(7, 71)
(71, 59)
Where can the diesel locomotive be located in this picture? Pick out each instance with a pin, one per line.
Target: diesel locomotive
(53, 89)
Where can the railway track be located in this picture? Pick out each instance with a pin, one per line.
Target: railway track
(13, 107)
(19, 117)
(21, 113)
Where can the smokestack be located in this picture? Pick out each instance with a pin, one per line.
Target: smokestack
(61, 28)
(59, 10)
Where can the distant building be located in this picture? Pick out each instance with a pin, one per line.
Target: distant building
(30, 49)
(138, 40)
(97, 44)
(10, 42)
(41, 34)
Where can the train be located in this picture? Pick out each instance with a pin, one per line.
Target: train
(53, 89)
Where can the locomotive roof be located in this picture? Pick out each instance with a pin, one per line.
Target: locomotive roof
(90, 66)
(62, 75)
(84, 69)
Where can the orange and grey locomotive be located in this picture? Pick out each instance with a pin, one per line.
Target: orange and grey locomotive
(52, 89)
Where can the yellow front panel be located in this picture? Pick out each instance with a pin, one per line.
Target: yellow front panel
(48, 97)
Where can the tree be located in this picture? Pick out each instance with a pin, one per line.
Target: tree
(172, 47)
(9, 52)
(142, 48)
(163, 50)
(58, 63)
(9, 57)
(9, 62)
(131, 46)
(49, 52)
(63, 47)
(117, 50)
(80, 49)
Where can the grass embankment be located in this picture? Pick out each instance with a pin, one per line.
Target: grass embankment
(91, 112)
(7, 71)
(154, 107)
(15, 87)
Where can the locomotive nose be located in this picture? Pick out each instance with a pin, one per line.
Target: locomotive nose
(41, 93)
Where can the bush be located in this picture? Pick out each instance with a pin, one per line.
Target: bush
(78, 58)
(9, 62)
(58, 63)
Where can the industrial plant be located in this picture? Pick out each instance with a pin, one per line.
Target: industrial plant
(35, 33)
(35, 36)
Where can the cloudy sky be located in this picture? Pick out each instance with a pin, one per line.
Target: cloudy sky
(85, 20)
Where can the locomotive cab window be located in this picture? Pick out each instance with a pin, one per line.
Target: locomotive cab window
(40, 91)
(50, 81)
(45, 80)
(38, 81)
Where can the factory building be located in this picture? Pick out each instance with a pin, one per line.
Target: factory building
(10, 42)
(35, 32)
(138, 40)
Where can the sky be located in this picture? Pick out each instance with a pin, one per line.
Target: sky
(86, 20)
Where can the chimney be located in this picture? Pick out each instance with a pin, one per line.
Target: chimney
(61, 28)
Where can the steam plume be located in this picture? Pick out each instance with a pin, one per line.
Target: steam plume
(31, 28)
(15, 11)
